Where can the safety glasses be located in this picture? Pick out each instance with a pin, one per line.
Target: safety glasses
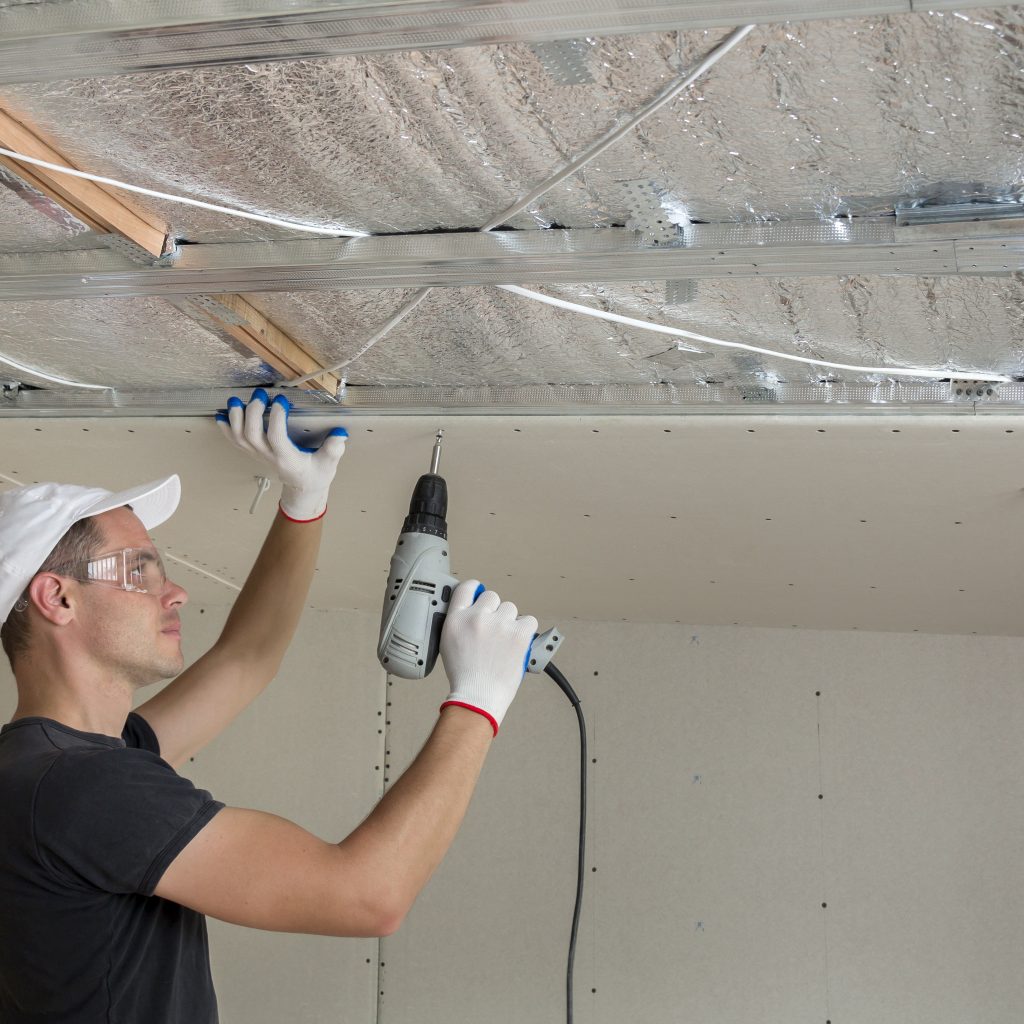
(139, 570)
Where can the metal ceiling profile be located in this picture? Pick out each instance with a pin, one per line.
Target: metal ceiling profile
(834, 398)
(457, 260)
(90, 38)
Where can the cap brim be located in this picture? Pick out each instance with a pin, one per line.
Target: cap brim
(153, 503)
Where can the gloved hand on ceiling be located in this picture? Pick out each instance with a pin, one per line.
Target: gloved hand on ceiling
(484, 646)
(305, 472)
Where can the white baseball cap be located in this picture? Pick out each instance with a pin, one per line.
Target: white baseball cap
(33, 519)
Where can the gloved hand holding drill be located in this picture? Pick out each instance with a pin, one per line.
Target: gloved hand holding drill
(483, 645)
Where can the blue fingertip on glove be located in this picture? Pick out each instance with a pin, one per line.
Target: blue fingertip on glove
(479, 590)
(234, 402)
(338, 432)
(526, 660)
(261, 395)
(221, 417)
(282, 400)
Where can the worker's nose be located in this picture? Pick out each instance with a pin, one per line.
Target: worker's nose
(173, 595)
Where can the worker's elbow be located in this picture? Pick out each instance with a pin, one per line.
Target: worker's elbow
(380, 915)
(391, 909)
(389, 925)
(374, 922)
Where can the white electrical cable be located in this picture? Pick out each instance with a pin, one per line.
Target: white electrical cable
(680, 333)
(60, 169)
(53, 380)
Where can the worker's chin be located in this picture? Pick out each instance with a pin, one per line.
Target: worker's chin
(166, 668)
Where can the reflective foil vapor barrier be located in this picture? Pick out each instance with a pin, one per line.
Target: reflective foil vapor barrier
(479, 258)
(543, 400)
(806, 120)
(109, 37)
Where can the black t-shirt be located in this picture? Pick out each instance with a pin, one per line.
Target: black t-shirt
(88, 825)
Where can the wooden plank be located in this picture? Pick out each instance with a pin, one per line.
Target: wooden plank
(95, 205)
(276, 348)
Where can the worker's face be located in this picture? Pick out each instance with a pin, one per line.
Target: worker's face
(137, 635)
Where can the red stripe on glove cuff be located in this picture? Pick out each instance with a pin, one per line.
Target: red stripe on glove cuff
(291, 519)
(470, 707)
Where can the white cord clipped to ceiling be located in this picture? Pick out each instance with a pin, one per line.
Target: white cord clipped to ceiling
(50, 378)
(646, 325)
(229, 211)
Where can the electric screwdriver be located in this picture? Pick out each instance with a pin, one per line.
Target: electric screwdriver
(420, 585)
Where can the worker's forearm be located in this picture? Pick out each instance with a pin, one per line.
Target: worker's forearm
(266, 612)
(410, 830)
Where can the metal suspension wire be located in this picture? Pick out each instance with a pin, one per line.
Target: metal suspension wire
(399, 315)
(665, 96)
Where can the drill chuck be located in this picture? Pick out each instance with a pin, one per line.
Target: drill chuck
(428, 508)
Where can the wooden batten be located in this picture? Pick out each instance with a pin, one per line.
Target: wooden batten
(95, 205)
(276, 348)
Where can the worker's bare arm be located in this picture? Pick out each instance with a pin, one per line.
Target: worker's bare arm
(262, 871)
(194, 709)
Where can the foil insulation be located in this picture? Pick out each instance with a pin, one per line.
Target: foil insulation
(30, 222)
(122, 343)
(803, 119)
(476, 336)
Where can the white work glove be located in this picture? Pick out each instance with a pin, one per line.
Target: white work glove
(484, 648)
(305, 472)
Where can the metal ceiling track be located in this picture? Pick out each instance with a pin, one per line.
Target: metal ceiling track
(795, 249)
(888, 398)
(89, 38)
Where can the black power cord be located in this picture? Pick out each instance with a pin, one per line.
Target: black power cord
(563, 685)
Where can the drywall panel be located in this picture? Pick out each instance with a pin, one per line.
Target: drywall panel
(308, 750)
(884, 523)
(702, 874)
(924, 831)
(784, 826)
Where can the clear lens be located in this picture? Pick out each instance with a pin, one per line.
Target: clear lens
(136, 569)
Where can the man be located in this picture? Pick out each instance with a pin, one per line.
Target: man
(108, 858)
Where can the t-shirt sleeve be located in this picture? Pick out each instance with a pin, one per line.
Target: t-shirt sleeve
(139, 733)
(115, 819)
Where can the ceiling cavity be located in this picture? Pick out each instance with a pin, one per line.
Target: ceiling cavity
(847, 191)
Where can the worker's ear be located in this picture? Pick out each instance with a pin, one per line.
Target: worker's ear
(49, 595)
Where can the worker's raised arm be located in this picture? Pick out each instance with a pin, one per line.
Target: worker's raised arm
(196, 707)
(262, 871)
